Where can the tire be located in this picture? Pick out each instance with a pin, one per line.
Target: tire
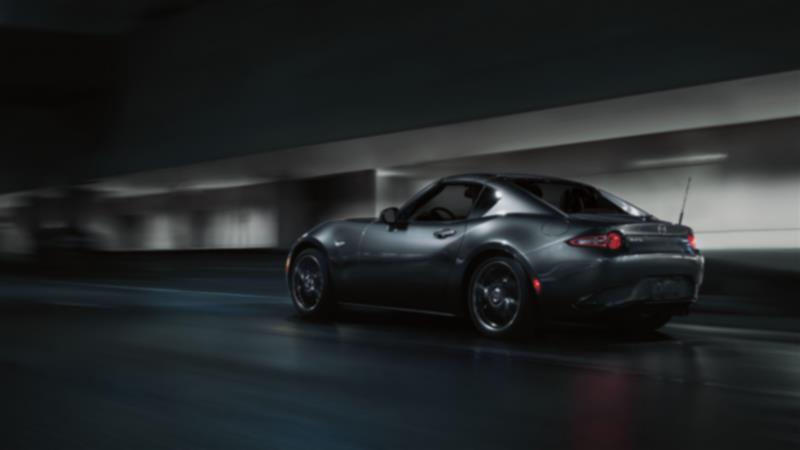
(310, 285)
(488, 299)
(641, 322)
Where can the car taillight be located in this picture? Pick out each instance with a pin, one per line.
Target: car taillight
(611, 240)
(692, 241)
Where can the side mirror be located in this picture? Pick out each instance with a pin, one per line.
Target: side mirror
(390, 216)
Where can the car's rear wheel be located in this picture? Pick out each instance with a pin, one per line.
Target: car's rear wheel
(500, 298)
(310, 285)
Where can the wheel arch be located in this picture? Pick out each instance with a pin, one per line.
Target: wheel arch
(481, 254)
(301, 245)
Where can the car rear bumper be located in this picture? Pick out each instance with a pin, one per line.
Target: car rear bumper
(661, 290)
(610, 283)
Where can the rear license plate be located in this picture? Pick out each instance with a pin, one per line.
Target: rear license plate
(670, 289)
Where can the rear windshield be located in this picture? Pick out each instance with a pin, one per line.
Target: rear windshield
(573, 198)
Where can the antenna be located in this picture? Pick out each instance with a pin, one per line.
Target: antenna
(685, 196)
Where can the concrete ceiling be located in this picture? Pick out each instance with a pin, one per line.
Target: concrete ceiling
(87, 16)
(97, 88)
(473, 146)
(240, 77)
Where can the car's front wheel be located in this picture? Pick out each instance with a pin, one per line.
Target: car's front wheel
(310, 284)
(500, 298)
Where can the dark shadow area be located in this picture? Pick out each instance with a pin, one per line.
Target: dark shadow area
(179, 350)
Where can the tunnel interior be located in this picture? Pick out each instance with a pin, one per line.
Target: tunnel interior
(160, 158)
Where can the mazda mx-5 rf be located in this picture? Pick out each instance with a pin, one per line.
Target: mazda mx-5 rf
(509, 251)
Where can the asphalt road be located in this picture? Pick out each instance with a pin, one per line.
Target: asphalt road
(213, 357)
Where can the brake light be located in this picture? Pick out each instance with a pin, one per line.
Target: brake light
(611, 240)
(692, 241)
(614, 241)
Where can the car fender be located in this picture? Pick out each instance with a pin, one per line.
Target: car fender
(339, 240)
(498, 246)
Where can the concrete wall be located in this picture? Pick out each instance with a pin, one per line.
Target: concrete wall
(267, 215)
(270, 215)
(745, 193)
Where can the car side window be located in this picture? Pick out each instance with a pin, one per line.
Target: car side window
(487, 199)
(448, 202)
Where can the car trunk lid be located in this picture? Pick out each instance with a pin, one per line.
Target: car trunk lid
(644, 235)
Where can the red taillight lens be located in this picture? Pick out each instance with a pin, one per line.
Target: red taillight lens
(611, 241)
(692, 242)
(614, 241)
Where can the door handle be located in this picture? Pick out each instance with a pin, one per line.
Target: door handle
(444, 233)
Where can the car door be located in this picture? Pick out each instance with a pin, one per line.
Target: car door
(408, 265)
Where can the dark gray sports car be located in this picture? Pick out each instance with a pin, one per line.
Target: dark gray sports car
(508, 251)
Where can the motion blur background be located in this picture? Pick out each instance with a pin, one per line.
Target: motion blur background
(160, 156)
(166, 125)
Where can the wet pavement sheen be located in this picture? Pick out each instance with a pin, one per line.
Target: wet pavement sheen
(182, 363)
